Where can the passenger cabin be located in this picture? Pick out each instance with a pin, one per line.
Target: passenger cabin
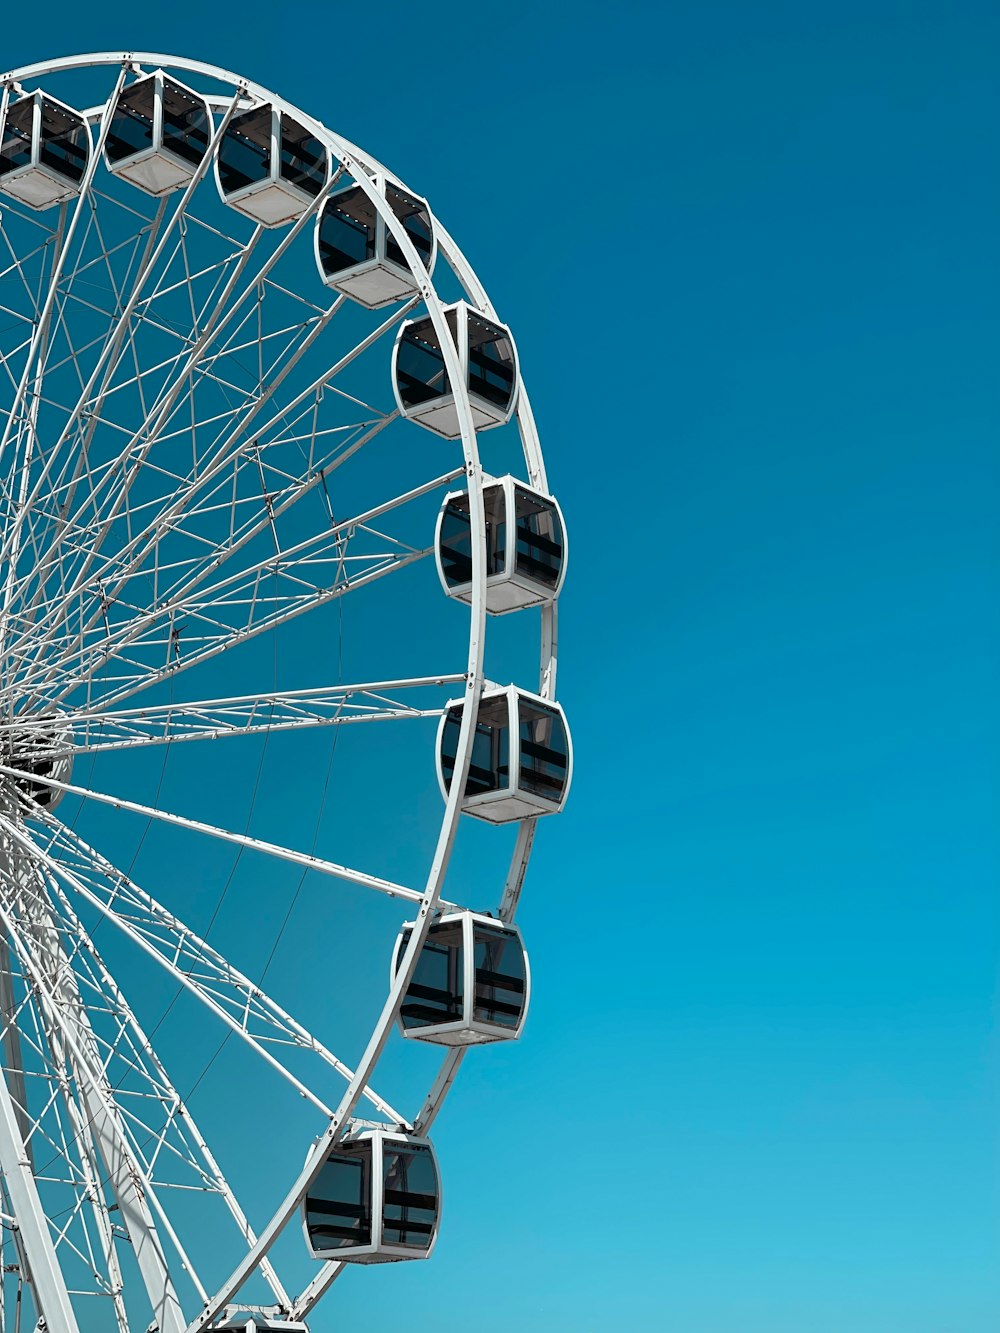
(159, 134)
(510, 779)
(357, 253)
(377, 1199)
(269, 167)
(525, 546)
(470, 985)
(44, 150)
(489, 366)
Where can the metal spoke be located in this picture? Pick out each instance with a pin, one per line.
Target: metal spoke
(113, 345)
(191, 594)
(240, 1003)
(306, 860)
(94, 730)
(64, 1010)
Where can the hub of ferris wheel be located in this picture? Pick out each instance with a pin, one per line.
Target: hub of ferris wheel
(39, 755)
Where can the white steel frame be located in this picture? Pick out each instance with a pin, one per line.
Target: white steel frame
(73, 1015)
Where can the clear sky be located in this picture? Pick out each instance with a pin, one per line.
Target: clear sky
(750, 256)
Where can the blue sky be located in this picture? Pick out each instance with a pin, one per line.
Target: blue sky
(749, 254)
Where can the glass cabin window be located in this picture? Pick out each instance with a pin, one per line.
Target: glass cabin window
(539, 548)
(339, 1204)
(495, 504)
(410, 1198)
(245, 150)
(347, 231)
(15, 147)
(415, 217)
(187, 125)
(500, 976)
(456, 537)
(420, 371)
(544, 750)
(64, 141)
(489, 769)
(303, 158)
(490, 766)
(455, 542)
(436, 991)
(131, 129)
(491, 362)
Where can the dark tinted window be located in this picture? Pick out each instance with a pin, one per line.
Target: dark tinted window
(490, 766)
(410, 1200)
(131, 128)
(15, 147)
(489, 769)
(338, 1207)
(436, 991)
(491, 362)
(245, 150)
(456, 536)
(500, 976)
(187, 126)
(65, 141)
(495, 505)
(415, 217)
(544, 751)
(420, 372)
(539, 550)
(303, 158)
(346, 231)
(449, 745)
(455, 542)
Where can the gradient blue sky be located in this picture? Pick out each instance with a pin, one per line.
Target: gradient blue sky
(750, 255)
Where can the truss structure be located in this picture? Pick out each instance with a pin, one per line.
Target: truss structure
(200, 458)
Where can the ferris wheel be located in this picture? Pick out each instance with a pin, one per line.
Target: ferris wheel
(248, 380)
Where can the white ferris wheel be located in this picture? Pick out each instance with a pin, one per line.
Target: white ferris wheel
(248, 379)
